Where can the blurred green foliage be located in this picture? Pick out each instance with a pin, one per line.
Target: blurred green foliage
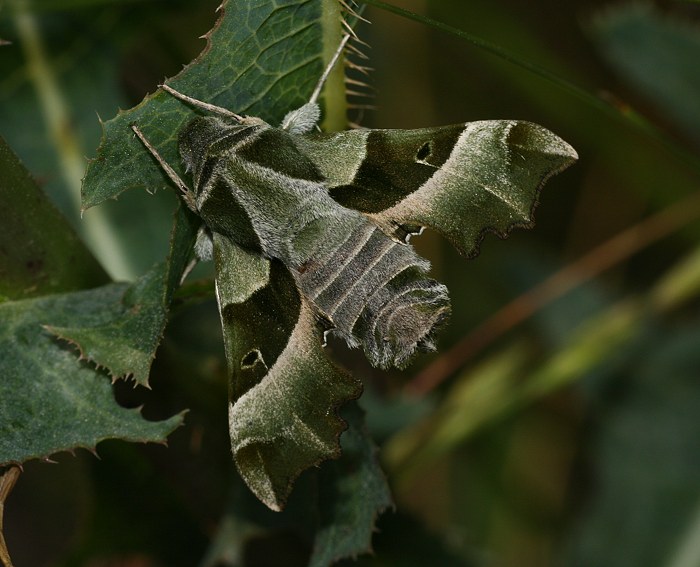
(566, 436)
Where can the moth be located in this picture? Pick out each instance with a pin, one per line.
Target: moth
(309, 232)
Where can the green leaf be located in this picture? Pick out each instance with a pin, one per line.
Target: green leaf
(122, 333)
(353, 492)
(333, 508)
(49, 400)
(656, 54)
(40, 253)
(262, 59)
(285, 390)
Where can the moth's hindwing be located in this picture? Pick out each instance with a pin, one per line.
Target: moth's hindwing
(460, 180)
(284, 390)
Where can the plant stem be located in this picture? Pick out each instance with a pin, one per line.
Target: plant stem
(335, 105)
(7, 482)
(100, 234)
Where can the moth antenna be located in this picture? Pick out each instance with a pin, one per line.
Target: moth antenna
(329, 68)
(201, 104)
(169, 171)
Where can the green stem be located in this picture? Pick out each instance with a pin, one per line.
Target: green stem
(335, 105)
(8, 478)
(100, 234)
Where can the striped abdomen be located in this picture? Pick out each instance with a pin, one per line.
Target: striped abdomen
(374, 291)
(254, 186)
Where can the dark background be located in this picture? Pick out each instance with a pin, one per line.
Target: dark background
(569, 431)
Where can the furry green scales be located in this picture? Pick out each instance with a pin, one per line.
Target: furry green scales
(309, 234)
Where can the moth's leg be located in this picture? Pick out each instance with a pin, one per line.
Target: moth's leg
(203, 250)
(187, 194)
(204, 246)
(212, 107)
(203, 105)
(305, 118)
(302, 120)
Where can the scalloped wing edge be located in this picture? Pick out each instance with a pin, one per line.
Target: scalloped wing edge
(302, 357)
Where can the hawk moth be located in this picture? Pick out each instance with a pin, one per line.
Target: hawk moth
(309, 233)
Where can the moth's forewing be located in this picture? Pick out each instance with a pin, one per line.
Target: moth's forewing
(284, 390)
(459, 180)
(242, 282)
(372, 170)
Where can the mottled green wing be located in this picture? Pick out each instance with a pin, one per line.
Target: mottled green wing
(284, 390)
(460, 180)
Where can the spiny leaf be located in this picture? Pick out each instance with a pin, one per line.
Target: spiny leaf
(261, 59)
(49, 400)
(122, 335)
(40, 252)
(285, 391)
(353, 492)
